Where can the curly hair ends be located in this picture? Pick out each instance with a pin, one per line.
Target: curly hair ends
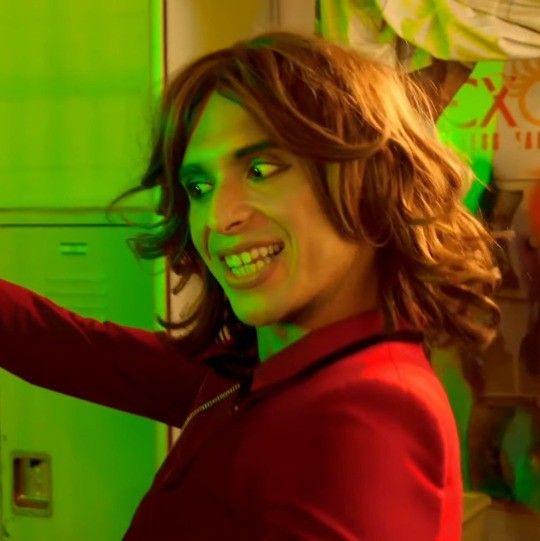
(379, 173)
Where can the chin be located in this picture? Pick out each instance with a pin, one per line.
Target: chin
(256, 318)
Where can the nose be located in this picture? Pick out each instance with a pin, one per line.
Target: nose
(230, 208)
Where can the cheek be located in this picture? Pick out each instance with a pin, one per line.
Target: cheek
(196, 234)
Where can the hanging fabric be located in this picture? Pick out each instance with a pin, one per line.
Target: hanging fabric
(413, 32)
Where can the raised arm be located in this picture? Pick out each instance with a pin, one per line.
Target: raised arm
(121, 367)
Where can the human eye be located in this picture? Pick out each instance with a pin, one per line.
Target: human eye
(261, 168)
(195, 189)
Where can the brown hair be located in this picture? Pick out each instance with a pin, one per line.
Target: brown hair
(398, 186)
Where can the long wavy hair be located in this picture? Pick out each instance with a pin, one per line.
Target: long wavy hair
(398, 187)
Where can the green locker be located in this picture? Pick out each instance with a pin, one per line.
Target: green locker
(71, 469)
(78, 85)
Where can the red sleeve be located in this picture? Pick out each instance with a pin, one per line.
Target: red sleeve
(363, 464)
(124, 368)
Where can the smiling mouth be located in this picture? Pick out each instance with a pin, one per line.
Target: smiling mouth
(251, 261)
(252, 274)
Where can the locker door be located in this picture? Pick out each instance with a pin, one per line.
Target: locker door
(99, 461)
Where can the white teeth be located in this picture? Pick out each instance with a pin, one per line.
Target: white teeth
(245, 259)
(233, 260)
(244, 270)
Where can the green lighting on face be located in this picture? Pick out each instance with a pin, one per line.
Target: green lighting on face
(238, 154)
(248, 204)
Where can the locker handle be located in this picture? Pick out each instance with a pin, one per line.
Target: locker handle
(32, 487)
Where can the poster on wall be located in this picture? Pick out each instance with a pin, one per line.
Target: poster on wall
(501, 130)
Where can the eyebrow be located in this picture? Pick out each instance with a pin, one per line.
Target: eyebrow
(250, 149)
(238, 154)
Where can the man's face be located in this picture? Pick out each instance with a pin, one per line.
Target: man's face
(302, 271)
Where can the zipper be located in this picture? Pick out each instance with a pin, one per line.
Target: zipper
(207, 405)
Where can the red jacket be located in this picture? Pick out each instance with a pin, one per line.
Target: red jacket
(344, 435)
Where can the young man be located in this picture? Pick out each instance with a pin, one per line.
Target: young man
(303, 186)
(247, 194)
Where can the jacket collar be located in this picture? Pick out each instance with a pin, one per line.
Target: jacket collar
(317, 344)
